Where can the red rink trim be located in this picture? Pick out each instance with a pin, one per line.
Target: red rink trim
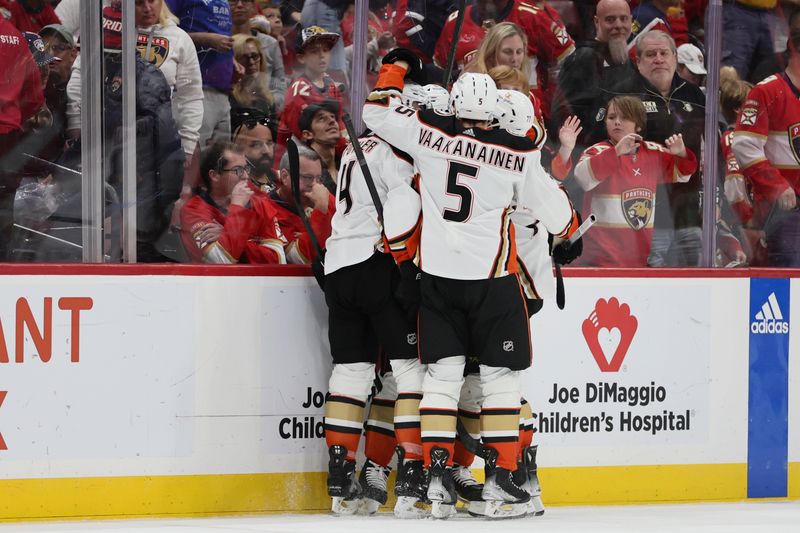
(175, 269)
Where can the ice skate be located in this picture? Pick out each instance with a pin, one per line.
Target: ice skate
(343, 488)
(469, 490)
(373, 480)
(441, 487)
(531, 481)
(504, 497)
(410, 488)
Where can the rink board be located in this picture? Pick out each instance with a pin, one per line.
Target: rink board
(150, 391)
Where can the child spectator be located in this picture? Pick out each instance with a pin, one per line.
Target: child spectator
(313, 86)
(621, 175)
(733, 92)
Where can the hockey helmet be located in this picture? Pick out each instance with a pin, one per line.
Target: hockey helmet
(474, 96)
(437, 98)
(514, 112)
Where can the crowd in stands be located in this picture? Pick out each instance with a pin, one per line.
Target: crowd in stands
(222, 85)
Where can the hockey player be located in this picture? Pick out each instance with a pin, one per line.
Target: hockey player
(471, 296)
(360, 279)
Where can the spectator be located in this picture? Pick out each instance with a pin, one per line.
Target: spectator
(30, 15)
(272, 12)
(60, 44)
(588, 77)
(669, 18)
(737, 188)
(69, 13)
(171, 50)
(327, 14)
(747, 35)
(208, 23)
(253, 89)
(219, 225)
(254, 133)
(159, 156)
(620, 176)
(504, 46)
(314, 195)
(673, 106)
(691, 65)
(243, 13)
(419, 23)
(764, 143)
(548, 41)
(313, 86)
(22, 96)
(321, 133)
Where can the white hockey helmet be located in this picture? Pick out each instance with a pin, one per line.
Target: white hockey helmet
(474, 96)
(437, 98)
(514, 112)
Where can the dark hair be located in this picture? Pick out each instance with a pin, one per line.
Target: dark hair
(250, 117)
(213, 159)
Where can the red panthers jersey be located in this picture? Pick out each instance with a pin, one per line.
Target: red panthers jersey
(548, 40)
(621, 192)
(766, 140)
(737, 187)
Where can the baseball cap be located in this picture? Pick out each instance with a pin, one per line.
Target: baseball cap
(311, 110)
(692, 57)
(61, 30)
(38, 49)
(112, 27)
(314, 34)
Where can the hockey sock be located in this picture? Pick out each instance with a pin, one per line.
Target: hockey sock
(500, 413)
(348, 387)
(525, 426)
(379, 437)
(439, 406)
(409, 375)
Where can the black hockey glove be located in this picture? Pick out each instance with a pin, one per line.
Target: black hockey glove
(565, 253)
(407, 291)
(416, 72)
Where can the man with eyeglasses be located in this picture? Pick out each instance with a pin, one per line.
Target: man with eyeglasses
(253, 134)
(221, 225)
(318, 203)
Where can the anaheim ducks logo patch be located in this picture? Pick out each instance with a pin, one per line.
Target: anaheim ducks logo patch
(794, 140)
(637, 206)
(159, 49)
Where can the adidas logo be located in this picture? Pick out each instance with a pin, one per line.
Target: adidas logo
(770, 318)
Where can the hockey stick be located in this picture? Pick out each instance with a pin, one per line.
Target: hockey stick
(470, 443)
(294, 176)
(362, 163)
(583, 228)
(451, 57)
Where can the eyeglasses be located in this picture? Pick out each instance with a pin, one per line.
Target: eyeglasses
(239, 171)
(234, 2)
(57, 48)
(255, 56)
(310, 177)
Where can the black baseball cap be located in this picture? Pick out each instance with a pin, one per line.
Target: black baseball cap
(311, 110)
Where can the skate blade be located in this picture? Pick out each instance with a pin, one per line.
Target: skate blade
(476, 508)
(409, 507)
(442, 510)
(368, 506)
(496, 510)
(342, 507)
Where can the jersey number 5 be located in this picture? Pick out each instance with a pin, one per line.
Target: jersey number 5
(464, 193)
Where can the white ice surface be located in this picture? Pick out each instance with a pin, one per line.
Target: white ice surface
(767, 517)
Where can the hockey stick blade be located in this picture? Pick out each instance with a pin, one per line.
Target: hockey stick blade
(294, 177)
(362, 163)
(470, 443)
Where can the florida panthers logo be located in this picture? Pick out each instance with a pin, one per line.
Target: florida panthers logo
(159, 49)
(794, 140)
(637, 206)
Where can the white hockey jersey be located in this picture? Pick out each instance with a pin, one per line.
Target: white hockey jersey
(469, 179)
(356, 230)
(536, 265)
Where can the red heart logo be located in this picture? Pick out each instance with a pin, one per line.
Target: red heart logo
(609, 322)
